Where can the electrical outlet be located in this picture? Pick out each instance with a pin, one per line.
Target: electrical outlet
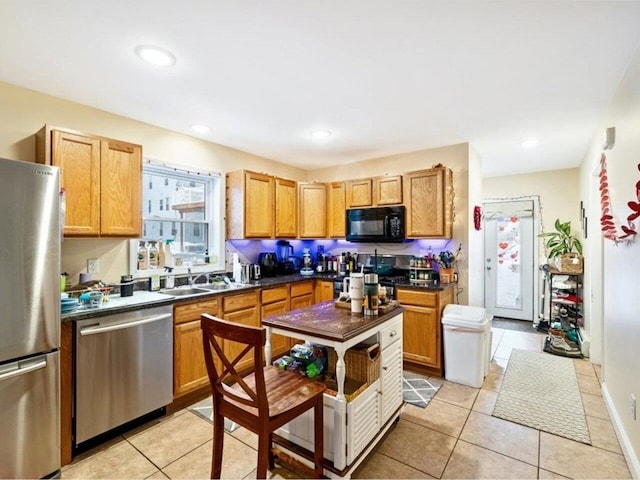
(633, 407)
(92, 265)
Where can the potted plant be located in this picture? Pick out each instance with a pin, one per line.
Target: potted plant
(561, 245)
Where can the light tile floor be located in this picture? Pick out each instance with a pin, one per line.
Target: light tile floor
(454, 437)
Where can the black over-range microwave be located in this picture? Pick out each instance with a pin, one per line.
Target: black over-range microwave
(380, 224)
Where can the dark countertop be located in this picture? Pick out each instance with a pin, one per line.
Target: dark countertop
(325, 320)
(143, 299)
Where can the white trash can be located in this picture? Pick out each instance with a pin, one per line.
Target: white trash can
(467, 344)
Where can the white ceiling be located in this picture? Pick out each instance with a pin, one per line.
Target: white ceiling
(386, 76)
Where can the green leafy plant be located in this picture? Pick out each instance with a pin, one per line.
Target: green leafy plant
(561, 241)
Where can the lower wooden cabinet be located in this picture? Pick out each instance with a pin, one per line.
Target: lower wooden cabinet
(422, 330)
(189, 369)
(275, 301)
(324, 290)
(244, 309)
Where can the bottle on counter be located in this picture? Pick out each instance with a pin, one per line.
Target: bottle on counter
(169, 281)
(143, 256)
(168, 256)
(153, 255)
(161, 255)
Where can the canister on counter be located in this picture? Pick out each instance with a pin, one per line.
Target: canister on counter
(371, 298)
(126, 285)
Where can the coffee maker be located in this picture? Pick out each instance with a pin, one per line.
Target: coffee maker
(286, 259)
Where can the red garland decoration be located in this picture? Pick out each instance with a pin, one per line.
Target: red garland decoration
(477, 217)
(608, 226)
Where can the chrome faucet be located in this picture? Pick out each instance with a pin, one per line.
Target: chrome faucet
(191, 279)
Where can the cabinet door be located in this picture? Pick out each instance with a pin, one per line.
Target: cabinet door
(120, 189)
(336, 212)
(302, 301)
(286, 208)
(313, 210)
(279, 343)
(78, 157)
(250, 316)
(258, 205)
(390, 381)
(387, 190)
(421, 336)
(359, 193)
(189, 369)
(429, 201)
(324, 291)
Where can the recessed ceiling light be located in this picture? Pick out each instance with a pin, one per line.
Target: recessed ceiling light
(155, 56)
(200, 128)
(321, 134)
(530, 142)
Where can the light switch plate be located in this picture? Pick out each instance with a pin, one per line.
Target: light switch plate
(92, 265)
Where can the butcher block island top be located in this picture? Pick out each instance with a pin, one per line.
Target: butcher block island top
(324, 320)
(370, 412)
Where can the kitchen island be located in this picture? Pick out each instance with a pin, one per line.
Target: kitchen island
(351, 428)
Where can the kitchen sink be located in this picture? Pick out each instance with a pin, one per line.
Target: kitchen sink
(223, 286)
(183, 291)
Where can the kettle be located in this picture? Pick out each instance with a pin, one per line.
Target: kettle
(267, 262)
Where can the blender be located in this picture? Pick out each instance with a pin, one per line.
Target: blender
(284, 252)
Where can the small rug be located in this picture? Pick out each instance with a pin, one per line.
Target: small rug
(418, 390)
(541, 391)
(205, 410)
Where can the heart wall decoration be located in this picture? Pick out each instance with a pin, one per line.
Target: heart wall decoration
(610, 231)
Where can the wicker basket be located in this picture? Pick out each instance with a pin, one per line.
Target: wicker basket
(362, 362)
(570, 263)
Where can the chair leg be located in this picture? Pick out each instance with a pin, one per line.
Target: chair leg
(218, 444)
(318, 441)
(264, 452)
(271, 456)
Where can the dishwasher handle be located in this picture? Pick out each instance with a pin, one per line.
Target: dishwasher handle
(23, 370)
(121, 326)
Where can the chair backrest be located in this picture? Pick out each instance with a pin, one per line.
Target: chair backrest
(215, 331)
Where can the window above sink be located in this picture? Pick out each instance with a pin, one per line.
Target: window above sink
(186, 207)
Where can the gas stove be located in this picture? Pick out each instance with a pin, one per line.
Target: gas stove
(391, 280)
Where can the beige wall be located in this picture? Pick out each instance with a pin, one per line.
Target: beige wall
(611, 280)
(24, 112)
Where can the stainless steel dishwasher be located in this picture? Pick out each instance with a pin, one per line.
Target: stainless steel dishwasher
(124, 368)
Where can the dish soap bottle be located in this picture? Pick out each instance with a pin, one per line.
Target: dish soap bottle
(142, 256)
(153, 255)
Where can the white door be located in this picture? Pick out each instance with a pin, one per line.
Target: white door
(509, 241)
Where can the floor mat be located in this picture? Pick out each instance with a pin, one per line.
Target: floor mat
(418, 390)
(541, 391)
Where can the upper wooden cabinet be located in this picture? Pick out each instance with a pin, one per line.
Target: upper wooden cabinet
(428, 198)
(387, 190)
(286, 208)
(359, 193)
(260, 206)
(101, 178)
(371, 192)
(312, 202)
(250, 205)
(336, 216)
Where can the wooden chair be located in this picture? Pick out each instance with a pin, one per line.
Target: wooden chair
(263, 401)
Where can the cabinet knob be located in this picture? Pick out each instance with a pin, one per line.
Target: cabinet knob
(392, 334)
(385, 368)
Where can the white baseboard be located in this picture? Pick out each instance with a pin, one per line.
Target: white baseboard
(585, 344)
(627, 449)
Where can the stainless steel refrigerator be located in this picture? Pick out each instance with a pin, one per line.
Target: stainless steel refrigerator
(29, 320)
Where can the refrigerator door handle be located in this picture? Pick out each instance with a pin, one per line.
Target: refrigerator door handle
(121, 326)
(23, 370)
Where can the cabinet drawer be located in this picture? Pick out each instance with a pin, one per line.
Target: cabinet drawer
(233, 303)
(301, 288)
(391, 333)
(192, 311)
(274, 294)
(414, 297)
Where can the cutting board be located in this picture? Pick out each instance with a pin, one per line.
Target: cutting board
(381, 308)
